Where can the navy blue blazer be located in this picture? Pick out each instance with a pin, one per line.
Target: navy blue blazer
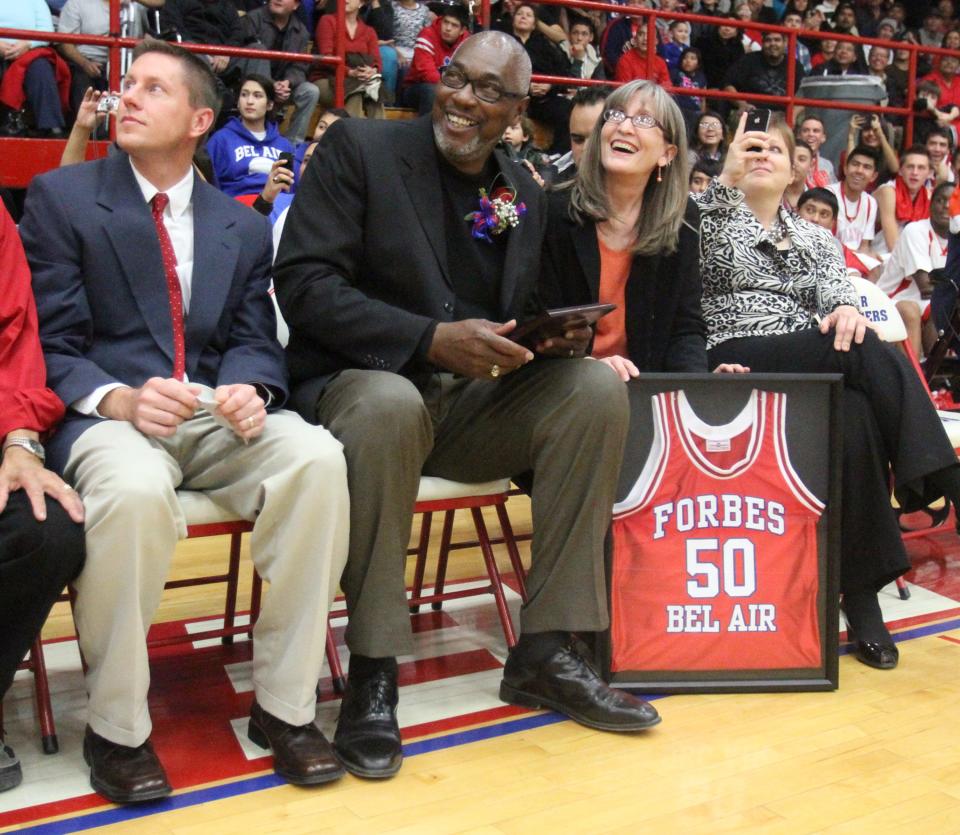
(102, 294)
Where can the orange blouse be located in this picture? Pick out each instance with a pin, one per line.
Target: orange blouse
(611, 336)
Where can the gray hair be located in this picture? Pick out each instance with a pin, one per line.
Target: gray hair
(664, 203)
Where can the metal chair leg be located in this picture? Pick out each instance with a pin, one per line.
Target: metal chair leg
(496, 583)
(511, 543)
(333, 661)
(233, 579)
(41, 687)
(422, 546)
(444, 557)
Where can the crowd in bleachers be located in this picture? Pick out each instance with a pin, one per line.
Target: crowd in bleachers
(395, 49)
(394, 345)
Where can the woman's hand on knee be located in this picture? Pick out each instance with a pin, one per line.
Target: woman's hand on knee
(849, 325)
(625, 369)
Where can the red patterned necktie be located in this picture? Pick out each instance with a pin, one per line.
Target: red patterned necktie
(157, 205)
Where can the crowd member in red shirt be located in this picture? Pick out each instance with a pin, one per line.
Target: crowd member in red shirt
(947, 79)
(633, 63)
(362, 47)
(432, 52)
(41, 538)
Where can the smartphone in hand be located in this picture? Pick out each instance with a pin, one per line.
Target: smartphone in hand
(758, 120)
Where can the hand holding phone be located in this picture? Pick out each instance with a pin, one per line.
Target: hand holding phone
(757, 120)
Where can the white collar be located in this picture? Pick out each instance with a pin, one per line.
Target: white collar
(180, 194)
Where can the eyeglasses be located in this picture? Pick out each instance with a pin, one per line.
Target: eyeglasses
(711, 125)
(485, 89)
(641, 121)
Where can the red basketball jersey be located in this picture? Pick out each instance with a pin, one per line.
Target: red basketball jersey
(715, 547)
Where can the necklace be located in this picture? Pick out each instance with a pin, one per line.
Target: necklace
(778, 230)
(856, 211)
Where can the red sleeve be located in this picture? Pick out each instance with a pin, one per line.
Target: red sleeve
(625, 68)
(25, 401)
(661, 73)
(423, 65)
(326, 29)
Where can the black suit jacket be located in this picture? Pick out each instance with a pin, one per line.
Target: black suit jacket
(102, 292)
(664, 320)
(362, 274)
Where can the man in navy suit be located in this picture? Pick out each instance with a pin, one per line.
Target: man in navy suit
(150, 285)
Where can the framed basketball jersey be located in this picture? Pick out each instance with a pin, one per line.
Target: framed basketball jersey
(723, 565)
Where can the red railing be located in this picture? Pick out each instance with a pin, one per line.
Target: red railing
(26, 160)
(44, 159)
(789, 101)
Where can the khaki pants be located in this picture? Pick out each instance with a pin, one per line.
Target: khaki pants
(356, 105)
(291, 481)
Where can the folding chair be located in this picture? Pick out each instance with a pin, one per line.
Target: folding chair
(204, 518)
(438, 495)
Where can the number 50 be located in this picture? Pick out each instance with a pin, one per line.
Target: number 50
(736, 550)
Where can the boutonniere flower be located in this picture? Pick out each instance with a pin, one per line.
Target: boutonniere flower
(497, 213)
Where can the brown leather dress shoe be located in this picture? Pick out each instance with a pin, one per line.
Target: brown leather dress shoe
(301, 753)
(123, 774)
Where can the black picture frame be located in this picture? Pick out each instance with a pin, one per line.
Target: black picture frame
(814, 439)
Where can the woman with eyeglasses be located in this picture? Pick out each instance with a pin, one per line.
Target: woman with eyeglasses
(707, 139)
(625, 232)
(776, 298)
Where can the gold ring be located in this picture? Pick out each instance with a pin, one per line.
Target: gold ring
(67, 486)
(251, 422)
(276, 178)
(494, 370)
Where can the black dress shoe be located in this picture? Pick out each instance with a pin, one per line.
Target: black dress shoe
(10, 773)
(567, 683)
(301, 753)
(368, 736)
(123, 774)
(883, 655)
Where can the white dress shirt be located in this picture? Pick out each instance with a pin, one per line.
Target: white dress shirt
(178, 218)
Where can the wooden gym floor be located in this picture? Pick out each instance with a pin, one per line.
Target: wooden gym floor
(882, 754)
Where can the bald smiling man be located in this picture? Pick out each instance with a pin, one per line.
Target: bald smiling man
(399, 322)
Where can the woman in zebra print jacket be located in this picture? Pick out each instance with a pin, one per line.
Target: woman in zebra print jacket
(776, 299)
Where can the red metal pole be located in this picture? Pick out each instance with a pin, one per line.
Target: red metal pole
(114, 70)
(791, 73)
(911, 97)
(651, 24)
(485, 14)
(341, 73)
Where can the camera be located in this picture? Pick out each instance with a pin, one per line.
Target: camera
(109, 102)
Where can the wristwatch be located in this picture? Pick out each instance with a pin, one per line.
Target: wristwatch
(30, 445)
